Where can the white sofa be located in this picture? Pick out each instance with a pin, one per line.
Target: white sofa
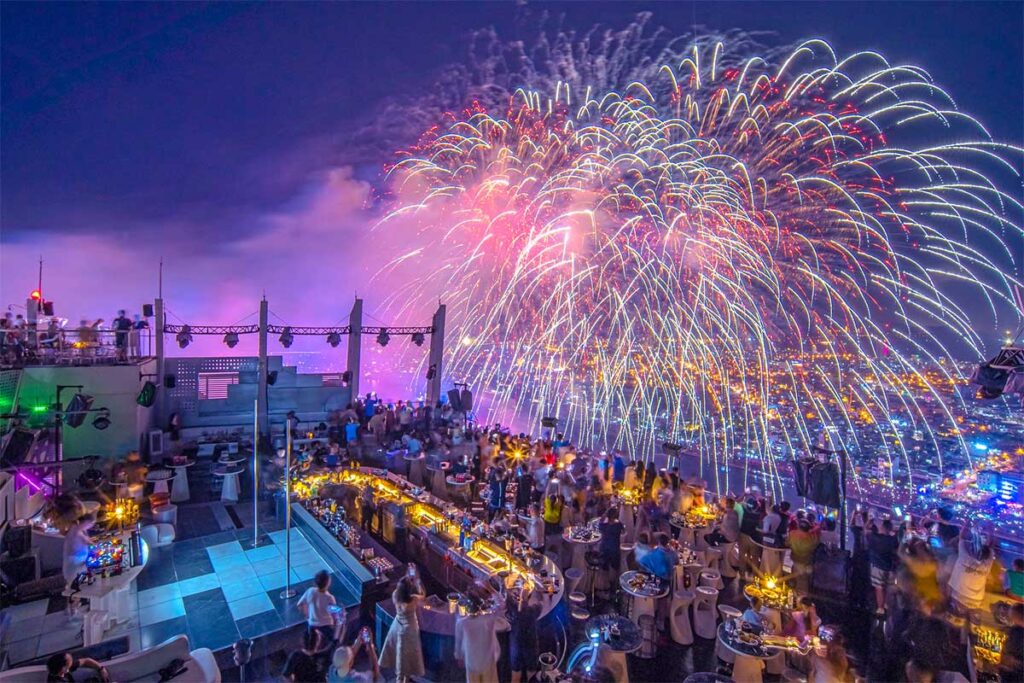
(140, 666)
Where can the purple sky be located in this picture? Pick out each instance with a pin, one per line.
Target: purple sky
(219, 136)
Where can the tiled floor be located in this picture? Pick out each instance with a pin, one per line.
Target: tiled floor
(214, 589)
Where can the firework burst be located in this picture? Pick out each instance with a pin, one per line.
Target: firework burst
(733, 254)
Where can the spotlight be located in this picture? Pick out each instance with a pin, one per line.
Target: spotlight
(286, 338)
(184, 336)
(231, 339)
(334, 339)
(102, 421)
(383, 338)
(418, 338)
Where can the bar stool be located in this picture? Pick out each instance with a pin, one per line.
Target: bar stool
(711, 579)
(679, 617)
(572, 579)
(705, 621)
(728, 564)
(625, 549)
(577, 598)
(726, 612)
(713, 559)
(692, 575)
(594, 566)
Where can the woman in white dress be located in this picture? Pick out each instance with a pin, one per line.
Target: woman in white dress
(402, 649)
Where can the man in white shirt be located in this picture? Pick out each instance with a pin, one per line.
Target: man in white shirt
(476, 646)
(321, 609)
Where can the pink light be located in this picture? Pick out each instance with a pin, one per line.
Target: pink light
(35, 483)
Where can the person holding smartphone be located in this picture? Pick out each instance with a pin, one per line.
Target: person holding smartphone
(342, 663)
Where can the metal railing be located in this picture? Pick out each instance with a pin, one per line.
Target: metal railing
(74, 346)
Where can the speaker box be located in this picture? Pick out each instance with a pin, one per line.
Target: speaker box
(455, 399)
(17, 540)
(48, 308)
(466, 398)
(19, 445)
(170, 381)
(147, 310)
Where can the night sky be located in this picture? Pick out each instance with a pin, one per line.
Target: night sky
(218, 136)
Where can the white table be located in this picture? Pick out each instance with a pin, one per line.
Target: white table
(179, 489)
(229, 489)
(110, 599)
(159, 479)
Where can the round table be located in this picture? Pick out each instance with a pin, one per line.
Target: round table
(229, 489)
(643, 598)
(750, 659)
(414, 468)
(179, 489)
(629, 638)
(437, 472)
(579, 549)
(159, 478)
(460, 488)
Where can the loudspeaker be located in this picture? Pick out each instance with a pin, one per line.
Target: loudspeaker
(17, 540)
(549, 422)
(454, 399)
(466, 398)
(170, 381)
(19, 569)
(48, 308)
(18, 447)
(271, 378)
(147, 310)
(74, 414)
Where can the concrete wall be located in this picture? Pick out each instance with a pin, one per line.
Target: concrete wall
(113, 386)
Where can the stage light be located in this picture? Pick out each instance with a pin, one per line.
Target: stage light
(383, 338)
(418, 338)
(231, 339)
(102, 421)
(334, 339)
(286, 338)
(184, 336)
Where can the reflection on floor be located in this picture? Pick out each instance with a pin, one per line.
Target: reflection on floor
(214, 588)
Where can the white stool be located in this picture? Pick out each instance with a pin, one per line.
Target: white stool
(577, 598)
(693, 572)
(679, 617)
(705, 619)
(166, 514)
(713, 559)
(711, 579)
(157, 535)
(730, 560)
(726, 612)
(747, 669)
(573, 576)
(624, 550)
(679, 578)
(135, 492)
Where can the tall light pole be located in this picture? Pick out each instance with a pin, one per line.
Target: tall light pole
(288, 592)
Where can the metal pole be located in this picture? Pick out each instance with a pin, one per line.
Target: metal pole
(256, 473)
(842, 507)
(288, 592)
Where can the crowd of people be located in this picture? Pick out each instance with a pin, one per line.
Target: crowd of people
(919, 574)
(19, 343)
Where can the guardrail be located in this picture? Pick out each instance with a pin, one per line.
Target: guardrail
(76, 346)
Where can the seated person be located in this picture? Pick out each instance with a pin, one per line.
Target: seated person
(60, 666)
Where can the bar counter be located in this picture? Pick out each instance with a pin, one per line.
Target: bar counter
(418, 526)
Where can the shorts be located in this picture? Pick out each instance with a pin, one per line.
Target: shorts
(881, 578)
